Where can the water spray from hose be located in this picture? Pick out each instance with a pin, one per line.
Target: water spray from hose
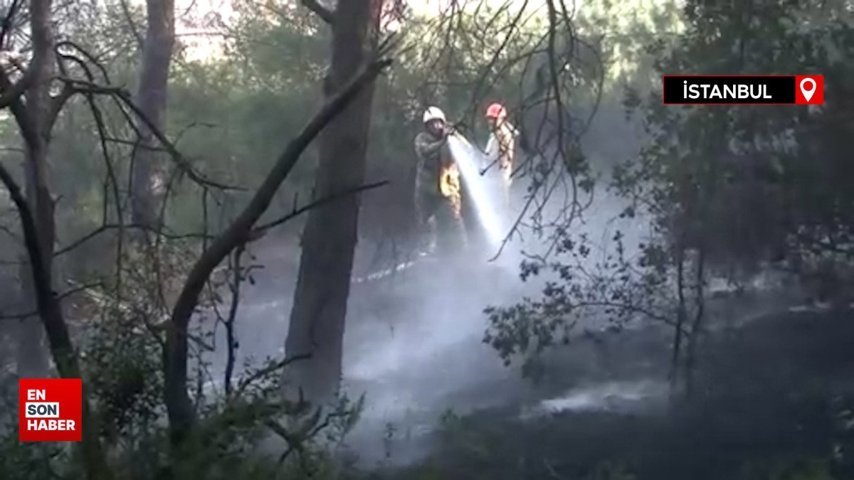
(484, 199)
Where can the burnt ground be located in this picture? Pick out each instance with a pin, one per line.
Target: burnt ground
(772, 388)
(769, 385)
(773, 400)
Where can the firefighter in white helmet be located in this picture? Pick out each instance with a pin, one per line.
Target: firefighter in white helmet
(501, 146)
(438, 192)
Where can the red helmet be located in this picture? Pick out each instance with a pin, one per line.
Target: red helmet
(496, 110)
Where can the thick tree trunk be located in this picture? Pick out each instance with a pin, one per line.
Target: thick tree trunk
(330, 235)
(240, 231)
(147, 178)
(35, 117)
(32, 355)
(52, 319)
(32, 358)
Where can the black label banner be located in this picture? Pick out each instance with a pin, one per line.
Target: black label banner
(729, 90)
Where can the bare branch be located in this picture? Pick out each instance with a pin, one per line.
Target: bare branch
(317, 203)
(131, 23)
(92, 59)
(254, 377)
(58, 103)
(40, 13)
(61, 296)
(106, 227)
(324, 13)
(237, 233)
(41, 277)
(13, 235)
(124, 97)
(7, 21)
(231, 349)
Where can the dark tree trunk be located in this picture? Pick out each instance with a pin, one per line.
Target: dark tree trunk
(330, 235)
(681, 319)
(147, 178)
(32, 358)
(32, 355)
(35, 116)
(50, 312)
(241, 230)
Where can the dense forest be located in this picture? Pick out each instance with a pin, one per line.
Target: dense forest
(215, 213)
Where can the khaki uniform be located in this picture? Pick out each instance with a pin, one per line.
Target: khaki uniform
(501, 148)
(438, 192)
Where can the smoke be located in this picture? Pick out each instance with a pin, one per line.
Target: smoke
(413, 339)
(630, 395)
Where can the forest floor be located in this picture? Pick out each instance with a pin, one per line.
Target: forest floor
(771, 383)
(773, 400)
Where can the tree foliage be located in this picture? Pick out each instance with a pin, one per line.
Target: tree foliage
(729, 191)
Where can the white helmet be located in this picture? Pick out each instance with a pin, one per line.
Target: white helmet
(433, 113)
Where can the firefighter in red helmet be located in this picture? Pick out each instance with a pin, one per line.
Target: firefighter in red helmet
(501, 146)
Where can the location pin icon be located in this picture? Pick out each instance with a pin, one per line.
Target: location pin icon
(807, 88)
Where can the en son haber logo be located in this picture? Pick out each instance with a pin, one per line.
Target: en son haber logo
(50, 410)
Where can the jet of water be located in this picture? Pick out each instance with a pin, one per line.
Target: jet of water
(485, 201)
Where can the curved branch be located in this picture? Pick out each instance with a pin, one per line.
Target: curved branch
(140, 41)
(256, 232)
(237, 233)
(39, 23)
(6, 27)
(324, 13)
(59, 296)
(124, 98)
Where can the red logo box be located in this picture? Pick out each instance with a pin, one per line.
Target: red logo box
(809, 89)
(50, 409)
